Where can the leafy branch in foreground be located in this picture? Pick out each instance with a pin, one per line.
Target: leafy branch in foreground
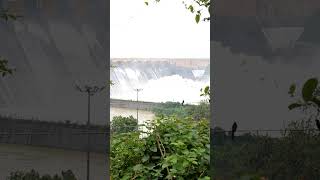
(4, 69)
(173, 149)
(4, 14)
(205, 92)
(201, 8)
(310, 96)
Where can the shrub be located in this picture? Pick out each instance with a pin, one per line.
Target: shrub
(173, 149)
(122, 124)
(33, 175)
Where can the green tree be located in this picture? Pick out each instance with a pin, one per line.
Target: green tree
(199, 112)
(122, 124)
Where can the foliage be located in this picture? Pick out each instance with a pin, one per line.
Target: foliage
(33, 175)
(4, 69)
(293, 156)
(173, 149)
(310, 94)
(171, 109)
(199, 112)
(201, 8)
(111, 83)
(4, 14)
(196, 112)
(122, 124)
(206, 93)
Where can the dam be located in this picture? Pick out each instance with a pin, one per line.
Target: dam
(268, 28)
(54, 46)
(161, 80)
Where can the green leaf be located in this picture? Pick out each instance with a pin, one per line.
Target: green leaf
(138, 167)
(164, 165)
(294, 105)
(292, 90)
(197, 18)
(145, 158)
(308, 89)
(206, 90)
(153, 149)
(191, 8)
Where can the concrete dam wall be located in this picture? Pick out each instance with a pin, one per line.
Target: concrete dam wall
(53, 135)
(119, 103)
(55, 45)
(267, 28)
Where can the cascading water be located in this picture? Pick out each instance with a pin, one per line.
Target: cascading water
(52, 47)
(160, 81)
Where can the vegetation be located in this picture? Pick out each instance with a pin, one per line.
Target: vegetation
(4, 68)
(294, 155)
(173, 149)
(33, 175)
(176, 145)
(196, 112)
(201, 8)
(122, 124)
(310, 97)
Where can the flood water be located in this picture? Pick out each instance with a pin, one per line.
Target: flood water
(50, 161)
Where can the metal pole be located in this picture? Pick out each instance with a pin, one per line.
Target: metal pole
(88, 140)
(90, 90)
(137, 106)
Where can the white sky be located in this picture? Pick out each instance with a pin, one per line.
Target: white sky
(161, 30)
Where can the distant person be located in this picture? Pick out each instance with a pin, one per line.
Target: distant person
(318, 124)
(182, 103)
(234, 129)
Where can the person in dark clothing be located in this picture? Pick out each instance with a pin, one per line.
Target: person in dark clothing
(182, 103)
(234, 129)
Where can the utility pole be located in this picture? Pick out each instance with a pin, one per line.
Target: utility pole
(138, 104)
(90, 91)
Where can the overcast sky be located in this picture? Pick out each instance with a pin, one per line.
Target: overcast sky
(162, 30)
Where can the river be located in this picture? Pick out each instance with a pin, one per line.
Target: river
(50, 161)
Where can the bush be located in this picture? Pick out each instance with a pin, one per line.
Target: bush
(295, 155)
(171, 109)
(173, 149)
(33, 175)
(196, 112)
(122, 124)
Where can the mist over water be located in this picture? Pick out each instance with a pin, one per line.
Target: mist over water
(159, 81)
